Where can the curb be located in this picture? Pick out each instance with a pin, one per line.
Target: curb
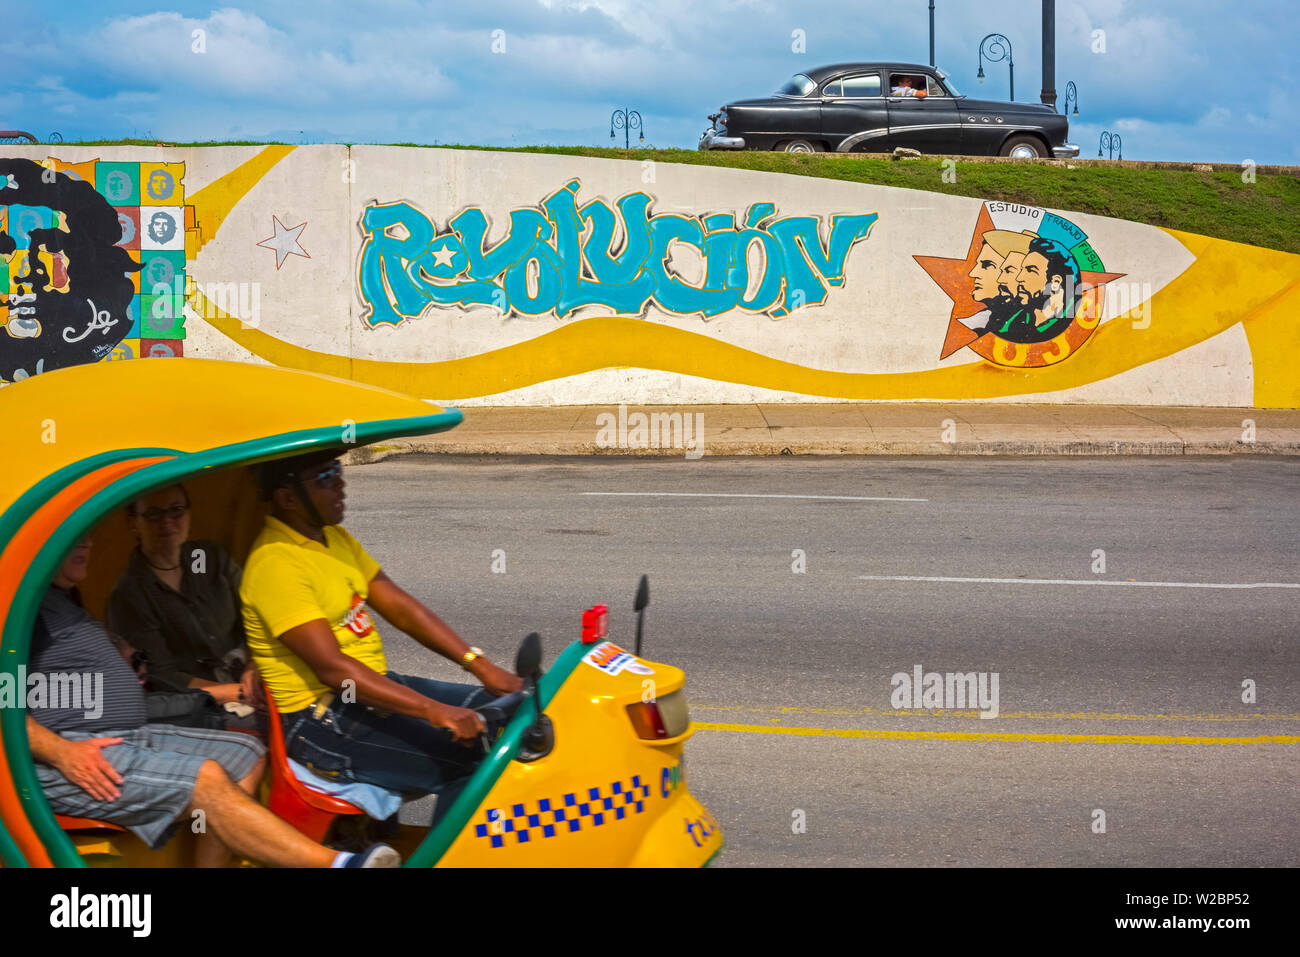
(521, 446)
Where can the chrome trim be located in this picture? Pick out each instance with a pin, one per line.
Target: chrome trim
(926, 126)
(849, 142)
(710, 140)
(1068, 151)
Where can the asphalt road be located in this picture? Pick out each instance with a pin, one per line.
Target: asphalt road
(1119, 698)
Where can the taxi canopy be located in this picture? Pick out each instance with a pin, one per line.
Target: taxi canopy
(83, 441)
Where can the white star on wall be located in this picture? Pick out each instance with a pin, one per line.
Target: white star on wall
(443, 256)
(284, 242)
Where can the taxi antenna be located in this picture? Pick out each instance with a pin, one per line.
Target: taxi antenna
(639, 606)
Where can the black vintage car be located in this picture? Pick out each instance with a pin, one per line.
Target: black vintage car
(879, 107)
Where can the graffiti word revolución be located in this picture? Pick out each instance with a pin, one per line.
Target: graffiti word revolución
(545, 264)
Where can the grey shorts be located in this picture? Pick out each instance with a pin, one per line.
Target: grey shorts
(159, 764)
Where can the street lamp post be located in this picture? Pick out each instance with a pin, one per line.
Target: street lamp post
(1110, 142)
(1048, 96)
(1071, 93)
(626, 120)
(997, 51)
(931, 32)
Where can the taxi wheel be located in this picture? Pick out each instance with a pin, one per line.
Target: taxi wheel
(799, 146)
(1024, 147)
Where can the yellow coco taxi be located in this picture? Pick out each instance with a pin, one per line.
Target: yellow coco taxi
(595, 776)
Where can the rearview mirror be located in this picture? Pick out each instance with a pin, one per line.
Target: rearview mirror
(642, 594)
(529, 660)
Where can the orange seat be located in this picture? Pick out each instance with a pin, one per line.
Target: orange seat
(85, 824)
(307, 809)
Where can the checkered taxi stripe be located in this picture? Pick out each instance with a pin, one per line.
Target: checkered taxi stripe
(566, 815)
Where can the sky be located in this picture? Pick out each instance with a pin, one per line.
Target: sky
(1188, 80)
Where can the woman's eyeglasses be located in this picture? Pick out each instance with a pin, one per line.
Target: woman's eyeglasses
(155, 515)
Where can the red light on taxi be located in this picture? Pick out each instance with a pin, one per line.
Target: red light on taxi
(647, 720)
(595, 624)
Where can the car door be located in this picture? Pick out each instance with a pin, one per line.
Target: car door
(929, 123)
(854, 117)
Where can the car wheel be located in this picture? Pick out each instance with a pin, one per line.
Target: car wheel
(799, 146)
(1024, 147)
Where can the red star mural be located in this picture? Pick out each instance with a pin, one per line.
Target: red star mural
(953, 277)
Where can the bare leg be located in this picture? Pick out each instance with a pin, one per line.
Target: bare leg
(209, 851)
(242, 825)
(249, 784)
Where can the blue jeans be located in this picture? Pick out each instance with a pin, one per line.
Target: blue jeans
(354, 742)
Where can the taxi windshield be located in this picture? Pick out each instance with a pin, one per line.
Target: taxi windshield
(947, 81)
(797, 85)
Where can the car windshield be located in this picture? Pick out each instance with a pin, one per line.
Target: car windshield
(797, 85)
(947, 81)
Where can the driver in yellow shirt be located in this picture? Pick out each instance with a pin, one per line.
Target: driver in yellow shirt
(307, 592)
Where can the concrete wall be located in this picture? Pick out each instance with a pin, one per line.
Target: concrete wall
(475, 277)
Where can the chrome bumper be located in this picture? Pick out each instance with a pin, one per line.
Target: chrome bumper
(1068, 151)
(710, 140)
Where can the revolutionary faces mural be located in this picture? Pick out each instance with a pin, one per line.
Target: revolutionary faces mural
(93, 256)
(1029, 291)
(545, 264)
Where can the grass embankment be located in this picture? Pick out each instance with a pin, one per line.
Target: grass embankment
(1263, 213)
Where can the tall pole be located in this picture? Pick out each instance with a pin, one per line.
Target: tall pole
(1049, 53)
(931, 32)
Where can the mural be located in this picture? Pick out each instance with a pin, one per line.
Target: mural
(660, 294)
(94, 258)
(545, 265)
(1029, 292)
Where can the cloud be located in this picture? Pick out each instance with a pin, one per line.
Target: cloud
(241, 56)
(1190, 79)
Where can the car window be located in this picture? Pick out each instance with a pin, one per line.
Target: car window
(832, 89)
(947, 82)
(906, 84)
(797, 85)
(934, 87)
(858, 87)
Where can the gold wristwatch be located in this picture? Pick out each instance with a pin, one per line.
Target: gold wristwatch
(469, 657)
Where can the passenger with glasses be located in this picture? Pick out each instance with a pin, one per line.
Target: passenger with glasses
(178, 602)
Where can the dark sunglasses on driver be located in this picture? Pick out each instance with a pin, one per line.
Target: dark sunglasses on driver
(326, 475)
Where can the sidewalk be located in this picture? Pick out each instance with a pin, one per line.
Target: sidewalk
(918, 428)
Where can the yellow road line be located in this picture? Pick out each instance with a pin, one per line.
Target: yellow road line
(995, 735)
(1039, 715)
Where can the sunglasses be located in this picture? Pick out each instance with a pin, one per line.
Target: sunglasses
(327, 475)
(155, 515)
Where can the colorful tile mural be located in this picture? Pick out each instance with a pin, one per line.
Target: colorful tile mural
(95, 261)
